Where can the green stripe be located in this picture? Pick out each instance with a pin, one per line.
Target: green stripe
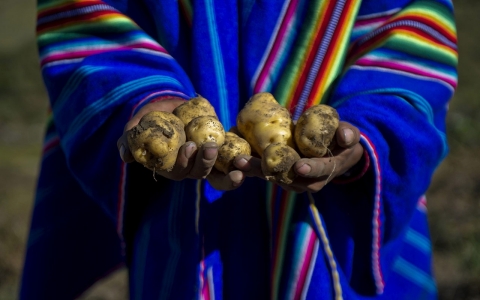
(425, 50)
(79, 30)
(284, 227)
(294, 64)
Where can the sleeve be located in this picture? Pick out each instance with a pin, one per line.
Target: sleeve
(400, 76)
(100, 67)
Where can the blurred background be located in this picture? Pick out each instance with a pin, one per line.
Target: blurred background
(453, 199)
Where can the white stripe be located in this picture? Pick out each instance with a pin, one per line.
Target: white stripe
(218, 64)
(409, 64)
(308, 279)
(397, 72)
(103, 46)
(273, 37)
(375, 224)
(292, 285)
(62, 62)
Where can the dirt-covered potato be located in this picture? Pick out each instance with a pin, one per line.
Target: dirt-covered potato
(315, 130)
(194, 108)
(233, 146)
(263, 121)
(155, 141)
(205, 129)
(277, 162)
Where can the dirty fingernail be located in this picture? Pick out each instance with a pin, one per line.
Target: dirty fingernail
(304, 169)
(189, 150)
(241, 163)
(237, 178)
(348, 135)
(210, 153)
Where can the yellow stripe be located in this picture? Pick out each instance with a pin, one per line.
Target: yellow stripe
(302, 56)
(83, 26)
(336, 59)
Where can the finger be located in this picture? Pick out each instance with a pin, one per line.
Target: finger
(316, 167)
(185, 161)
(313, 185)
(251, 166)
(124, 150)
(204, 161)
(347, 135)
(292, 187)
(223, 182)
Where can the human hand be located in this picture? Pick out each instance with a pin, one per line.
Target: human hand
(314, 173)
(191, 162)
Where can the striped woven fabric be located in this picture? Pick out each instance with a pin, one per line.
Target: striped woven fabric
(387, 66)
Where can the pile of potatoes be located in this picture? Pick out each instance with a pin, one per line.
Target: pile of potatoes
(263, 124)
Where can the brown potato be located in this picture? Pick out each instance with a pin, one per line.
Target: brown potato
(205, 129)
(155, 141)
(315, 130)
(194, 108)
(233, 146)
(263, 121)
(277, 162)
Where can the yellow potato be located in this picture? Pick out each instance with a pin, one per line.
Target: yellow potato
(233, 146)
(205, 129)
(315, 130)
(155, 141)
(277, 162)
(194, 108)
(263, 121)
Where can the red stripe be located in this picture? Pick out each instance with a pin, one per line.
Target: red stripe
(358, 51)
(311, 56)
(76, 19)
(376, 268)
(371, 21)
(52, 143)
(306, 265)
(430, 23)
(66, 7)
(276, 44)
(82, 54)
(329, 55)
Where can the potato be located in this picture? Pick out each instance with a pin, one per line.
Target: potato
(277, 162)
(233, 146)
(205, 129)
(155, 141)
(194, 108)
(315, 130)
(263, 121)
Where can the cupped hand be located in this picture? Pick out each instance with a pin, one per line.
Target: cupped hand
(191, 162)
(315, 173)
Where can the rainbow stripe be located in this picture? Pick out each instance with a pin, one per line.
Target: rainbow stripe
(318, 55)
(424, 29)
(61, 31)
(280, 205)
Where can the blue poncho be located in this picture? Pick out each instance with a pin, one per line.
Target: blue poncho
(388, 67)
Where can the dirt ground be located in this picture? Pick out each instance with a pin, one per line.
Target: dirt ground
(453, 199)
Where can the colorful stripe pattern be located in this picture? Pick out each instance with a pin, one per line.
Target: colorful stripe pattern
(317, 57)
(424, 30)
(60, 28)
(280, 207)
(89, 45)
(376, 221)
